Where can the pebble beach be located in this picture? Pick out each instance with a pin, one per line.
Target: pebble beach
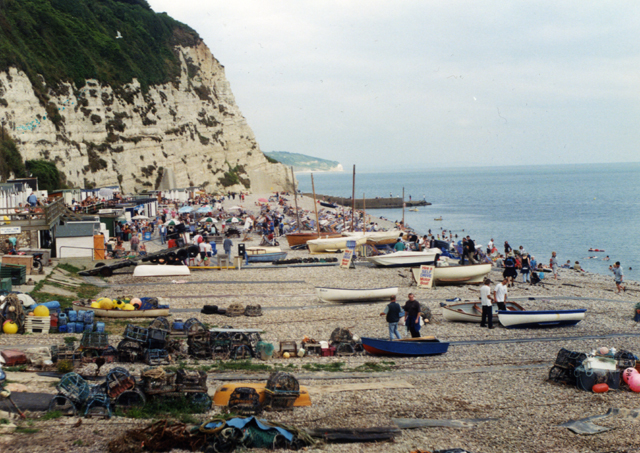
(500, 387)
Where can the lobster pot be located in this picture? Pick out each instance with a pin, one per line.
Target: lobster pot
(586, 379)
(564, 368)
(74, 387)
(94, 340)
(88, 317)
(136, 333)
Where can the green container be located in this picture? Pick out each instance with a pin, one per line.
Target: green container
(5, 284)
(16, 272)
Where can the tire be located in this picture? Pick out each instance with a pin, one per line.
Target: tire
(182, 254)
(193, 251)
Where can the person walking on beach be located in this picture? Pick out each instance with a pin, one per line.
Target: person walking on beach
(486, 299)
(507, 248)
(392, 311)
(490, 247)
(525, 268)
(618, 276)
(471, 250)
(412, 316)
(500, 294)
(553, 264)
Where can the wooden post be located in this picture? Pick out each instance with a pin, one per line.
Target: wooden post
(364, 214)
(403, 225)
(353, 199)
(315, 205)
(295, 191)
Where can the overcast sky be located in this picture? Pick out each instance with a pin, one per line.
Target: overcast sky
(419, 82)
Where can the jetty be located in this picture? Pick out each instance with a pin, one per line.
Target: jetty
(371, 203)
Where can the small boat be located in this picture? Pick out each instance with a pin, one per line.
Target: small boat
(100, 313)
(438, 219)
(413, 209)
(266, 257)
(146, 270)
(223, 393)
(355, 295)
(596, 250)
(457, 275)
(406, 258)
(541, 318)
(301, 238)
(415, 347)
(258, 250)
(472, 311)
(328, 205)
(333, 244)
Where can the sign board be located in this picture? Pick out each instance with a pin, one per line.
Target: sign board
(10, 230)
(426, 277)
(346, 258)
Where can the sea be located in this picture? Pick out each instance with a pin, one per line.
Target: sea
(563, 208)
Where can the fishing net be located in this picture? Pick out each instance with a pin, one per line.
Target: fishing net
(235, 310)
(13, 311)
(264, 350)
(426, 312)
(160, 436)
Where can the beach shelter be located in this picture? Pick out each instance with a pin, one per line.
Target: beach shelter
(233, 220)
(204, 209)
(208, 220)
(185, 209)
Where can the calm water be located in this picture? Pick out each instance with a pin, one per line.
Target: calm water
(566, 208)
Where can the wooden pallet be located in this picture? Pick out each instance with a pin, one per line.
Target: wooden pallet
(39, 324)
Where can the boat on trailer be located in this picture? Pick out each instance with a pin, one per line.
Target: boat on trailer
(541, 318)
(355, 295)
(415, 347)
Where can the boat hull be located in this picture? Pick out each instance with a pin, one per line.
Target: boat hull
(472, 312)
(405, 258)
(266, 257)
(355, 295)
(472, 274)
(533, 319)
(100, 313)
(145, 270)
(295, 239)
(329, 245)
(413, 347)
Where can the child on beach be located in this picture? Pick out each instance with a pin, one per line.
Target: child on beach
(553, 264)
(618, 276)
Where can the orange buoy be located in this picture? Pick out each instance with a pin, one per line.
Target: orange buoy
(600, 388)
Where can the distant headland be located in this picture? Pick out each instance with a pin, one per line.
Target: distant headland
(304, 163)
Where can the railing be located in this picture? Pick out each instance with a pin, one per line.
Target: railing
(34, 216)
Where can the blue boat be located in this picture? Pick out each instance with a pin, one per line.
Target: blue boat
(266, 257)
(415, 347)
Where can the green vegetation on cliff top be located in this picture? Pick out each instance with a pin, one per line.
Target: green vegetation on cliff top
(74, 40)
(302, 162)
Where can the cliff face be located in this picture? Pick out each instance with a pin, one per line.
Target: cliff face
(100, 135)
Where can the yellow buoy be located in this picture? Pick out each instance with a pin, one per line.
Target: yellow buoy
(95, 304)
(119, 303)
(41, 310)
(10, 327)
(128, 307)
(105, 304)
(286, 355)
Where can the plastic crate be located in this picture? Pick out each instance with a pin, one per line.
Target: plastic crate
(136, 333)
(5, 284)
(16, 272)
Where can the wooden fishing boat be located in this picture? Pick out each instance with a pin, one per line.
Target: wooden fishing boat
(541, 318)
(223, 393)
(260, 250)
(146, 270)
(457, 275)
(472, 311)
(415, 347)
(266, 257)
(301, 238)
(405, 258)
(329, 245)
(100, 313)
(355, 295)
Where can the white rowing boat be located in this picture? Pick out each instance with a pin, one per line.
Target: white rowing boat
(457, 275)
(145, 270)
(355, 295)
(333, 244)
(472, 311)
(377, 237)
(405, 258)
(541, 318)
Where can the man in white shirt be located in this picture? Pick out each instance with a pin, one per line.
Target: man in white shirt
(500, 294)
(203, 252)
(489, 247)
(486, 298)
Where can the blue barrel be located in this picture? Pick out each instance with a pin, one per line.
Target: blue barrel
(88, 317)
(71, 327)
(73, 316)
(88, 328)
(178, 325)
(81, 315)
(62, 329)
(100, 327)
(62, 319)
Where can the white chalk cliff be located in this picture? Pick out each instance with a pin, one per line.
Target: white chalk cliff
(109, 137)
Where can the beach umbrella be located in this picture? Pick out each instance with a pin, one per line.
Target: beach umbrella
(173, 222)
(263, 200)
(185, 209)
(233, 220)
(204, 209)
(208, 220)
